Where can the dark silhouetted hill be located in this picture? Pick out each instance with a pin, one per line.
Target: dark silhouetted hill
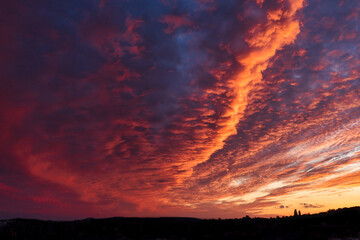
(334, 224)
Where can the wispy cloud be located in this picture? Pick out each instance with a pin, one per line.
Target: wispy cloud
(309, 205)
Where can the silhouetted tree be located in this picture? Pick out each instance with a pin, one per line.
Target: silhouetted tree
(295, 213)
(299, 213)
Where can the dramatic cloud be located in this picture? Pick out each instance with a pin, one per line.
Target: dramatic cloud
(202, 108)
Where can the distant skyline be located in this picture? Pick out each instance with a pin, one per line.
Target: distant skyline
(189, 108)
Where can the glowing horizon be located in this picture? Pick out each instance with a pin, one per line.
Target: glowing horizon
(191, 108)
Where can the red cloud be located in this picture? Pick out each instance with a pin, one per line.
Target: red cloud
(174, 22)
(106, 112)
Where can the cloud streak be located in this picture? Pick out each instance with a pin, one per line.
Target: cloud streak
(196, 108)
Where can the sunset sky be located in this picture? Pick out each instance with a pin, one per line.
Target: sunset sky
(194, 108)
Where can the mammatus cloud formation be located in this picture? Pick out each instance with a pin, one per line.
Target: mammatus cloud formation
(198, 108)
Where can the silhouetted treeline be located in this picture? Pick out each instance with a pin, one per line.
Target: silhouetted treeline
(334, 224)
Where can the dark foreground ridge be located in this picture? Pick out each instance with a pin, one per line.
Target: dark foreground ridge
(334, 224)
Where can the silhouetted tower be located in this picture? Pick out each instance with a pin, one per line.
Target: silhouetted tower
(299, 213)
(295, 213)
